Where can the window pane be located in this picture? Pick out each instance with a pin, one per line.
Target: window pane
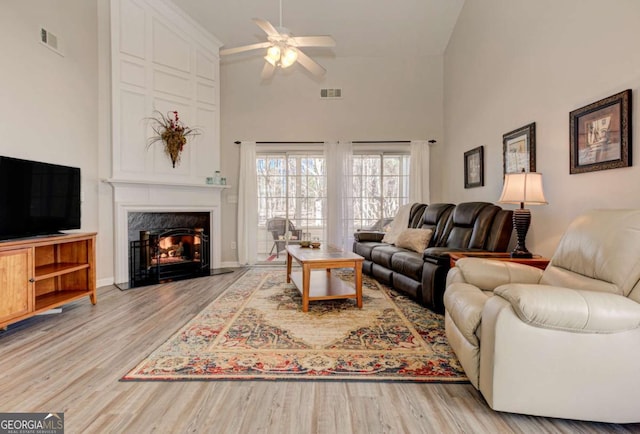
(380, 186)
(371, 209)
(391, 165)
(357, 165)
(371, 165)
(293, 167)
(356, 186)
(391, 206)
(372, 186)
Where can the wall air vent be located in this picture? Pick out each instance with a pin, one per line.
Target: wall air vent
(330, 93)
(50, 40)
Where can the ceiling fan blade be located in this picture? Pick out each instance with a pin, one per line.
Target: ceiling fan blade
(267, 71)
(244, 48)
(266, 26)
(313, 41)
(313, 66)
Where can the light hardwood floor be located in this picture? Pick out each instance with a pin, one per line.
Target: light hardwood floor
(72, 363)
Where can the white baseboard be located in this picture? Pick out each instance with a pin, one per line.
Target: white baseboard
(107, 281)
(229, 264)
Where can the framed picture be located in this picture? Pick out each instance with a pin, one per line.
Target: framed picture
(474, 167)
(600, 134)
(519, 150)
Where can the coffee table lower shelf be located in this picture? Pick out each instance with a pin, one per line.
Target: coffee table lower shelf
(324, 286)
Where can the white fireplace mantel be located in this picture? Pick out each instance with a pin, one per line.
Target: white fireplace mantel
(160, 183)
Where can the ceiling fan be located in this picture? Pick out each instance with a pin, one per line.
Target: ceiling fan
(283, 50)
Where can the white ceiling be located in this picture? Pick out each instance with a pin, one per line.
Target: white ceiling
(365, 28)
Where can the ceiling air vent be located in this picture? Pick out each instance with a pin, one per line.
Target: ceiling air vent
(330, 93)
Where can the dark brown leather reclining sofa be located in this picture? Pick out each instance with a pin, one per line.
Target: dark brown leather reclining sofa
(469, 226)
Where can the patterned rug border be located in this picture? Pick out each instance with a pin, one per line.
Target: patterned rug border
(133, 376)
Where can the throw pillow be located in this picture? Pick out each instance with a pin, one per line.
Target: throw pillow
(414, 239)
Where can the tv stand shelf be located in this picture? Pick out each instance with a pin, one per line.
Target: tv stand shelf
(53, 270)
(43, 273)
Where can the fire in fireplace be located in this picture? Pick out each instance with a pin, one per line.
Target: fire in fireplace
(168, 254)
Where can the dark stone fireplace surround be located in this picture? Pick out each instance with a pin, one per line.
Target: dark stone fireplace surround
(145, 221)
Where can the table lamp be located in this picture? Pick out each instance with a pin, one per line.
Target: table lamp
(522, 188)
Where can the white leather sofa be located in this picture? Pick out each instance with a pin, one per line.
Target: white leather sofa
(564, 342)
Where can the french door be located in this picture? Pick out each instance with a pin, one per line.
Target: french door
(292, 201)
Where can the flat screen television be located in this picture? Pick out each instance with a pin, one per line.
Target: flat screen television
(37, 198)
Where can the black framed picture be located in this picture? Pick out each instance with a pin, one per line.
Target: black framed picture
(600, 134)
(519, 150)
(474, 167)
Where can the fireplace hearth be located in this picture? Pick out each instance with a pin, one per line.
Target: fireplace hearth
(164, 255)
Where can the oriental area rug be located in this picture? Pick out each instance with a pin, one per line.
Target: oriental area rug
(256, 330)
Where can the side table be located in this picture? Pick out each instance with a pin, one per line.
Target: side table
(537, 260)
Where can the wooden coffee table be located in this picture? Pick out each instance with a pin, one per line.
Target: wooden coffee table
(323, 285)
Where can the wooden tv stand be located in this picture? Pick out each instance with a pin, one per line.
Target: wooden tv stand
(41, 273)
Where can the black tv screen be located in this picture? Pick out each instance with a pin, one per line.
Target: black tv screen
(37, 198)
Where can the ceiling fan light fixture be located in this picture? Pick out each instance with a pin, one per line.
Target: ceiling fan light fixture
(289, 57)
(283, 50)
(273, 55)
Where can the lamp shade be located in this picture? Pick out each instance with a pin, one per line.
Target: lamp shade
(524, 187)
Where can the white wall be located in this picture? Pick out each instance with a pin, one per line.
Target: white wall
(383, 99)
(105, 251)
(512, 62)
(48, 102)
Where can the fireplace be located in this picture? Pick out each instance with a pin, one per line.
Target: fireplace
(134, 198)
(168, 245)
(168, 254)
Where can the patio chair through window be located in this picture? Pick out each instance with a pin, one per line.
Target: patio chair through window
(279, 227)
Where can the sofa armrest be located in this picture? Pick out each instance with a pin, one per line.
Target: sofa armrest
(488, 275)
(375, 236)
(438, 255)
(573, 310)
(442, 254)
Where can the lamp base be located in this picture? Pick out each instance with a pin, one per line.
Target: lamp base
(521, 254)
(521, 222)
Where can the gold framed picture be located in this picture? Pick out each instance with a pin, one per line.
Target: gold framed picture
(600, 134)
(474, 167)
(519, 150)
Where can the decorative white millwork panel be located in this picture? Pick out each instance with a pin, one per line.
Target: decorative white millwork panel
(162, 60)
